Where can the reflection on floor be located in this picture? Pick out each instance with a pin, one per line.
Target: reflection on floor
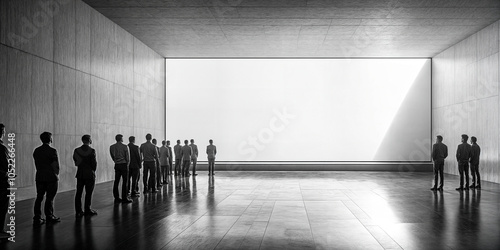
(270, 210)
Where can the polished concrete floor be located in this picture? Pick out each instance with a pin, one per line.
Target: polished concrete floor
(277, 210)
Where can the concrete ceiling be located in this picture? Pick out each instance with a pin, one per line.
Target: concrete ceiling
(300, 28)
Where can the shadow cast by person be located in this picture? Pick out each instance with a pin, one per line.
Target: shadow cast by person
(211, 184)
(48, 238)
(42, 235)
(211, 195)
(474, 215)
(117, 214)
(194, 189)
(438, 218)
(178, 186)
(463, 204)
(186, 186)
(463, 237)
(170, 186)
(83, 234)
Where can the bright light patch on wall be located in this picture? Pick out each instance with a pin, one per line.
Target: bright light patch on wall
(298, 109)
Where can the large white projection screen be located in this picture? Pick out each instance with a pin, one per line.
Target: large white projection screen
(302, 110)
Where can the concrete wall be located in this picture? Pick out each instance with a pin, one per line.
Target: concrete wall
(67, 69)
(465, 98)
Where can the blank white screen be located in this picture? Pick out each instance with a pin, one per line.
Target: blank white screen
(298, 109)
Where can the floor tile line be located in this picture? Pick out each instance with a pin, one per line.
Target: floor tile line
(173, 238)
(222, 238)
(267, 225)
(308, 221)
(378, 239)
(353, 202)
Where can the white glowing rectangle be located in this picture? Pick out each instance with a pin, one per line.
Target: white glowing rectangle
(302, 109)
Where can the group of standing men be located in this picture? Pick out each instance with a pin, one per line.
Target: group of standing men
(128, 159)
(47, 177)
(466, 153)
(46, 161)
(188, 153)
(157, 162)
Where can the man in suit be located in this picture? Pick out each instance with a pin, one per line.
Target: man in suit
(187, 151)
(474, 163)
(164, 162)
(149, 155)
(463, 157)
(86, 162)
(439, 153)
(158, 166)
(178, 158)
(211, 152)
(47, 177)
(134, 167)
(121, 156)
(194, 156)
(170, 158)
(4, 183)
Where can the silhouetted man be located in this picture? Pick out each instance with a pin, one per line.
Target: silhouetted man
(187, 151)
(4, 183)
(149, 156)
(158, 166)
(194, 156)
(134, 167)
(178, 158)
(164, 162)
(211, 152)
(474, 163)
(121, 156)
(47, 177)
(86, 162)
(463, 156)
(439, 153)
(170, 158)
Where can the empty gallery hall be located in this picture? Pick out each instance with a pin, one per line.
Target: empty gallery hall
(249, 124)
